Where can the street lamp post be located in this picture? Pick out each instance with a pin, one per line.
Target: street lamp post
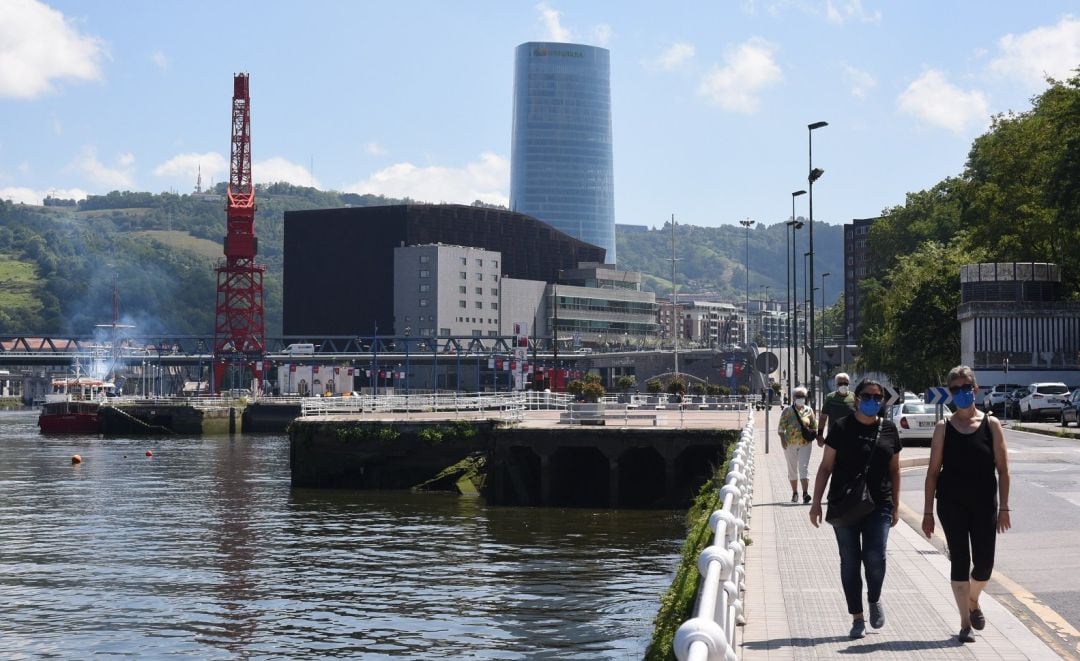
(821, 356)
(815, 174)
(806, 341)
(675, 330)
(764, 310)
(792, 289)
(746, 333)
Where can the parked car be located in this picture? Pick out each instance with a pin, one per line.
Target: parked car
(915, 420)
(1011, 407)
(1044, 400)
(994, 399)
(1071, 411)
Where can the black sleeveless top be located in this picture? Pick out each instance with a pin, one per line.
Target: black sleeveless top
(968, 473)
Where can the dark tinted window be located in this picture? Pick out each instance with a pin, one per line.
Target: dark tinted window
(1053, 389)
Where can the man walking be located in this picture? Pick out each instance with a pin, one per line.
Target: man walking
(838, 404)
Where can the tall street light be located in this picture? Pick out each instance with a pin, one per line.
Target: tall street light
(815, 174)
(821, 356)
(792, 287)
(746, 334)
(764, 309)
(807, 346)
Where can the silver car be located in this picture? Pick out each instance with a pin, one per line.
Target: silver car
(915, 421)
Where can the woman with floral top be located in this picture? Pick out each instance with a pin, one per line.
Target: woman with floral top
(797, 425)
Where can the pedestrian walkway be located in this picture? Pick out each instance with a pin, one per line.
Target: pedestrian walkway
(795, 606)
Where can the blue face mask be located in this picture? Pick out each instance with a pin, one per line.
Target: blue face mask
(964, 399)
(870, 407)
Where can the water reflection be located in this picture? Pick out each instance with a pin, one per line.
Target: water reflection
(204, 550)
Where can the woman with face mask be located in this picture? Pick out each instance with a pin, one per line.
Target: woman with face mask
(862, 442)
(797, 431)
(969, 474)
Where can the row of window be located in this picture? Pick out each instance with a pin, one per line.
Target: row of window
(426, 259)
(474, 320)
(462, 289)
(464, 304)
(425, 273)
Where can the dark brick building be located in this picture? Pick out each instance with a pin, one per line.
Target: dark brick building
(339, 263)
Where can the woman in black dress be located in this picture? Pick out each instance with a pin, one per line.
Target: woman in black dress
(972, 502)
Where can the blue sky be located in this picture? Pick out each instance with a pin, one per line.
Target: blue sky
(710, 99)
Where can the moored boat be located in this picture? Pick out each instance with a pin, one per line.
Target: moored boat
(73, 406)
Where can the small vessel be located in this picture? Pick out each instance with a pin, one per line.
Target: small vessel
(73, 406)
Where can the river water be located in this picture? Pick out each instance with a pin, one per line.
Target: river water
(203, 550)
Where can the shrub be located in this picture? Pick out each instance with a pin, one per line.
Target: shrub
(676, 387)
(592, 391)
(653, 386)
(432, 435)
(743, 390)
(697, 389)
(723, 391)
(625, 382)
(575, 387)
(713, 389)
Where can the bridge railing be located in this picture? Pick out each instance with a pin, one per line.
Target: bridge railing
(710, 634)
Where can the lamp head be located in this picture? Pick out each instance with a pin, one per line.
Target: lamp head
(798, 193)
(815, 174)
(816, 125)
(799, 225)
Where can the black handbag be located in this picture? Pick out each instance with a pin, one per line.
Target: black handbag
(854, 501)
(807, 433)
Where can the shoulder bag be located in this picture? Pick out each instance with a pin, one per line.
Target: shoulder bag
(854, 501)
(808, 433)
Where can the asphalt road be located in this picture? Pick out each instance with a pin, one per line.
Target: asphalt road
(1037, 569)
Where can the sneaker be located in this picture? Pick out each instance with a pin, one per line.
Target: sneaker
(858, 629)
(877, 615)
(978, 620)
(965, 635)
(795, 496)
(806, 499)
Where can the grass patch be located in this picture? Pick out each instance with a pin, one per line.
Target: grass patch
(184, 241)
(678, 602)
(19, 284)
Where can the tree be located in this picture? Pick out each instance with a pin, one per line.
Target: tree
(653, 386)
(625, 383)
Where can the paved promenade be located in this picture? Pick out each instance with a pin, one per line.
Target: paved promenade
(795, 605)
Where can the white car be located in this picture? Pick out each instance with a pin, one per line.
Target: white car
(994, 400)
(915, 420)
(1044, 400)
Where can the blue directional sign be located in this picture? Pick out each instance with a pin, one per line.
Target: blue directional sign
(937, 395)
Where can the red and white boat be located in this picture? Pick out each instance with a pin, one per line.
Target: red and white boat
(73, 406)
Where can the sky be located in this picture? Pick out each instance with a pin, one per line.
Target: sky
(711, 99)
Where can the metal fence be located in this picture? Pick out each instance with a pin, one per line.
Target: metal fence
(710, 634)
(508, 406)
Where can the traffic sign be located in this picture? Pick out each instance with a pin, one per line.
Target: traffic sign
(937, 395)
(891, 396)
(767, 362)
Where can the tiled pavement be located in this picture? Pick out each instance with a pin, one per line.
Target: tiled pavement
(795, 605)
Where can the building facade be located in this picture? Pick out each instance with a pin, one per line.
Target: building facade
(339, 263)
(1012, 317)
(446, 290)
(856, 269)
(561, 165)
(597, 305)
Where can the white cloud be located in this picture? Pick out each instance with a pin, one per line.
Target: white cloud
(934, 100)
(187, 167)
(114, 177)
(374, 149)
(602, 34)
(850, 10)
(748, 69)
(860, 81)
(20, 194)
(554, 29)
(38, 46)
(159, 58)
(1045, 51)
(673, 58)
(276, 169)
(487, 180)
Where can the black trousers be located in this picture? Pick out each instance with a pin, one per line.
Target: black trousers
(971, 532)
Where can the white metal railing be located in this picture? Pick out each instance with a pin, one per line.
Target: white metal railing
(710, 634)
(507, 405)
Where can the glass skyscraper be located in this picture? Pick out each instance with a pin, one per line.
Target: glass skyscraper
(560, 156)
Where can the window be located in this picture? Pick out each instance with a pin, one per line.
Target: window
(493, 333)
(464, 262)
(479, 291)
(464, 275)
(494, 306)
(494, 291)
(425, 288)
(424, 273)
(495, 263)
(479, 276)
(477, 333)
(406, 318)
(462, 289)
(479, 305)
(461, 304)
(424, 259)
(425, 332)
(423, 302)
(479, 262)
(444, 331)
(495, 278)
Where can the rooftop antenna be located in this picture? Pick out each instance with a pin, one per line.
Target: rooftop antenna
(674, 300)
(198, 180)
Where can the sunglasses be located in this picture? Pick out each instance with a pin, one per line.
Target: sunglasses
(967, 387)
(866, 397)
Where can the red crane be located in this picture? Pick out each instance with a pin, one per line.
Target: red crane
(239, 330)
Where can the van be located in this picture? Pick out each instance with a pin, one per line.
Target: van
(306, 348)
